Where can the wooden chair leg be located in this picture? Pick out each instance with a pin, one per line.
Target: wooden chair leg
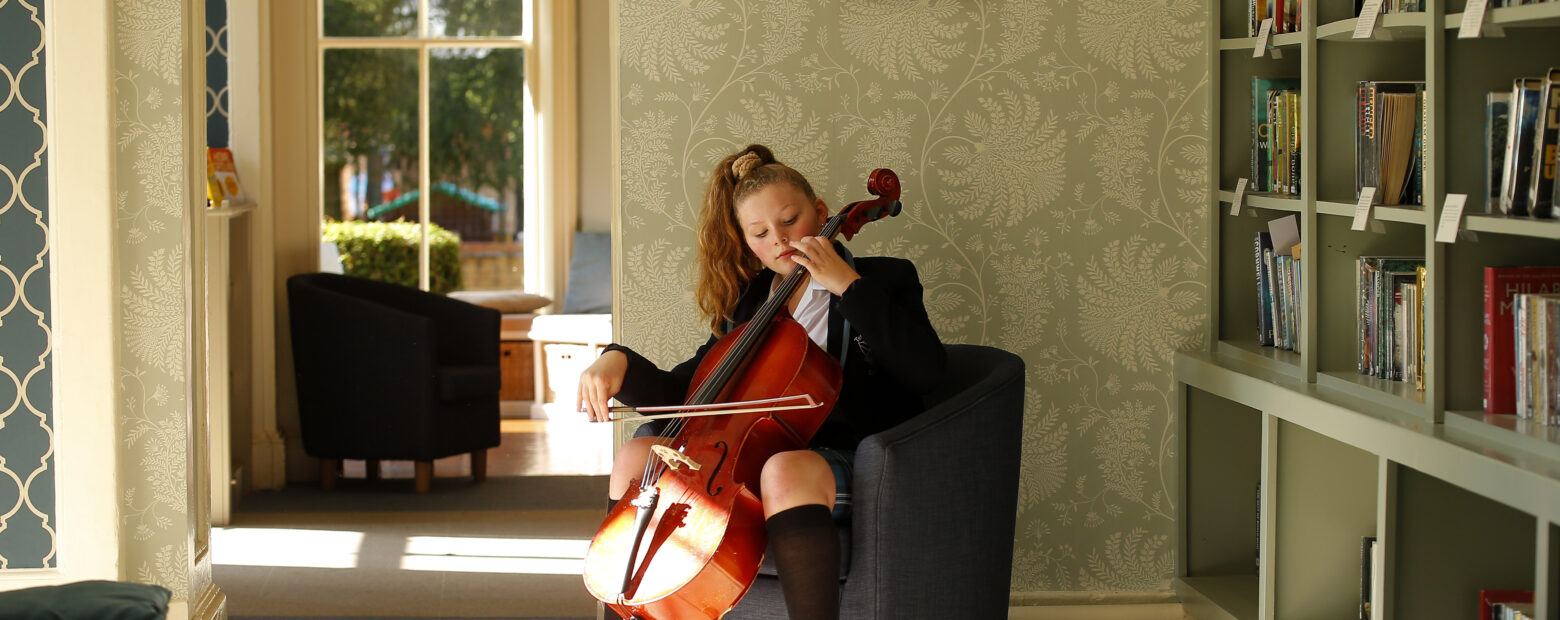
(371, 469)
(329, 469)
(424, 476)
(479, 465)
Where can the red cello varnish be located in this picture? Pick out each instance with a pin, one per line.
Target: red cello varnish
(687, 541)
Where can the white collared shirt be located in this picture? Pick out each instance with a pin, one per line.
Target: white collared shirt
(813, 312)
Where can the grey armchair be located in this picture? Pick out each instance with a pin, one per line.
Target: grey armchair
(934, 504)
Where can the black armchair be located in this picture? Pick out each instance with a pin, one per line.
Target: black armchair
(935, 498)
(388, 372)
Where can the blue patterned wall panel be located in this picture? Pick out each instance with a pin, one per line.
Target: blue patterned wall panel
(216, 73)
(26, 367)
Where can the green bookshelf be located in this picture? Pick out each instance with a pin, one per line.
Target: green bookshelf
(1457, 500)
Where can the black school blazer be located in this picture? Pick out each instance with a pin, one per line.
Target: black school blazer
(895, 355)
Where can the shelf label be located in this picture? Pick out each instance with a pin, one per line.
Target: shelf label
(1365, 25)
(1362, 208)
(1451, 218)
(1263, 34)
(1473, 20)
(1240, 197)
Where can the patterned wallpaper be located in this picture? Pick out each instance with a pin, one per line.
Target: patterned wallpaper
(1054, 163)
(153, 299)
(216, 73)
(27, 517)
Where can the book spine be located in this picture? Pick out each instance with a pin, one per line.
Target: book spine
(1527, 127)
(1519, 353)
(1491, 343)
(1497, 112)
(1272, 294)
(1508, 170)
(1362, 123)
(1541, 190)
(1361, 303)
(1264, 322)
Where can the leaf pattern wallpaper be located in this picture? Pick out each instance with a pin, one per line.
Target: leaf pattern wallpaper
(149, 129)
(1054, 162)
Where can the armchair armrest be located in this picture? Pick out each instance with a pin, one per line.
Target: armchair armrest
(919, 485)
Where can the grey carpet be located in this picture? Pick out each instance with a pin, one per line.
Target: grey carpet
(446, 494)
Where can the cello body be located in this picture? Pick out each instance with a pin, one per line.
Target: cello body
(705, 538)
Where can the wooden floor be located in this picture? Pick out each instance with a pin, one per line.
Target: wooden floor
(564, 445)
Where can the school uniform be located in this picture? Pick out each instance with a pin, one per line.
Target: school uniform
(879, 327)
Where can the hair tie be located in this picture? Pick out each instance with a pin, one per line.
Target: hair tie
(745, 164)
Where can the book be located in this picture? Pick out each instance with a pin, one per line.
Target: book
(1262, 245)
(1377, 278)
(1367, 574)
(1546, 133)
(1488, 599)
(1262, 146)
(1501, 286)
(1518, 166)
(1421, 286)
(1497, 109)
(1388, 116)
(222, 186)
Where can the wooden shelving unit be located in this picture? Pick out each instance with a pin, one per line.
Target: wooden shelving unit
(1291, 458)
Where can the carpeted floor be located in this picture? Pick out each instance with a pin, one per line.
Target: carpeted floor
(446, 494)
(509, 547)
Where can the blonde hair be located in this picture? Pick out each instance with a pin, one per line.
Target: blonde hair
(725, 265)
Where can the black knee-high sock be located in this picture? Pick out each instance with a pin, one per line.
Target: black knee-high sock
(807, 557)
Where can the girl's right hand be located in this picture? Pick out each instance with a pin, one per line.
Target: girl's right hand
(600, 382)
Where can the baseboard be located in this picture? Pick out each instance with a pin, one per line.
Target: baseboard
(1095, 605)
(1147, 611)
(1091, 597)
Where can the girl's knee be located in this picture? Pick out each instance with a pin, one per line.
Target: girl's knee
(628, 464)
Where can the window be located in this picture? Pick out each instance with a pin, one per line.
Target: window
(425, 112)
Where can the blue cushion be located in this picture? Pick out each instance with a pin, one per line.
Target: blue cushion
(590, 275)
(98, 600)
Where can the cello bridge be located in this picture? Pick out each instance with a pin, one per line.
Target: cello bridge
(673, 458)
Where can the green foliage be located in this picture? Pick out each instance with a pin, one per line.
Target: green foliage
(387, 251)
(475, 97)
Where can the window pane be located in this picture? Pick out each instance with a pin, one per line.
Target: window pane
(475, 18)
(476, 102)
(370, 134)
(370, 18)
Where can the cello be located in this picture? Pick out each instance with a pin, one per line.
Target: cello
(687, 541)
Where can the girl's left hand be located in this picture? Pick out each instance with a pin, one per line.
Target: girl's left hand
(824, 264)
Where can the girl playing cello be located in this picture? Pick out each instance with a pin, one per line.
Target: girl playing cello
(759, 221)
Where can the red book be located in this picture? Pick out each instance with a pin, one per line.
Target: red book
(1487, 598)
(1501, 285)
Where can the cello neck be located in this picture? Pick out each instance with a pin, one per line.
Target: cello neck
(758, 326)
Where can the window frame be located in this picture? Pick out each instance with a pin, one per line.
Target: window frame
(547, 197)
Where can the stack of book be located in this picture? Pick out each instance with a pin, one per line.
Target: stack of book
(1391, 317)
(1506, 605)
(1522, 128)
(1284, 13)
(1275, 135)
(1388, 146)
(1536, 323)
(1505, 3)
(1277, 254)
(1502, 285)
